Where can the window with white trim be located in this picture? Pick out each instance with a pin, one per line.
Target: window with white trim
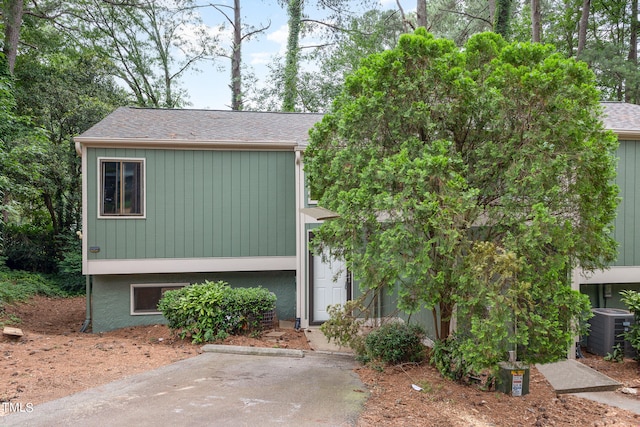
(121, 187)
(145, 297)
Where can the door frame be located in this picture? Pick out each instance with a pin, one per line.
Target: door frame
(310, 271)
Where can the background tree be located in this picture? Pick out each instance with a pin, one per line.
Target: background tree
(373, 32)
(294, 9)
(329, 21)
(503, 18)
(241, 33)
(439, 160)
(147, 43)
(60, 90)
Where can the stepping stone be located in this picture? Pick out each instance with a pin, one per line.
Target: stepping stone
(12, 332)
(275, 334)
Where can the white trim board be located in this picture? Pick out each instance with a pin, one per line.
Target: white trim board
(629, 274)
(188, 265)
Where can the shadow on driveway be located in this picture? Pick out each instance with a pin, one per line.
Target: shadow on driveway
(216, 389)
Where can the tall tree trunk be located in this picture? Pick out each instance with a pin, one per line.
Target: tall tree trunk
(421, 13)
(293, 53)
(236, 58)
(582, 28)
(503, 18)
(492, 11)
(536, 24)
(446, 315)
(12, 12)
(631, 90)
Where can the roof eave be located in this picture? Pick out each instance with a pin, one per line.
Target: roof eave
(186, 144)
(627, 134)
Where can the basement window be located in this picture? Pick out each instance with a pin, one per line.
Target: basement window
(145, 297)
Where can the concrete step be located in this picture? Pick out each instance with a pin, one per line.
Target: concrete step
(570, 376)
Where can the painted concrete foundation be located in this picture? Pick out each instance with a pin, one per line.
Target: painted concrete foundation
(111, 305)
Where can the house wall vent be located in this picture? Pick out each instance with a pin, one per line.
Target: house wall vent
(607, 325)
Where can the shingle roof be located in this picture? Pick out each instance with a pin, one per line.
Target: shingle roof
(203, 125)
(622, 117)
(147, 124)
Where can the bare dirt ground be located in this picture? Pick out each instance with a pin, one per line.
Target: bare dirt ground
(53, 360)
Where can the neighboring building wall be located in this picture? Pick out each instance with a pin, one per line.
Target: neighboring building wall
(627, 224)
(607, 295)
(200, 204)
(111, 294)
(603, 287)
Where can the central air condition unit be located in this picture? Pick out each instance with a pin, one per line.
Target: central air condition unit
(607, 327)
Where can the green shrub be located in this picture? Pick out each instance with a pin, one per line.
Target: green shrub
(448, 358)
(395, 343)
(21, 285)
(211, 311)
(632, 300)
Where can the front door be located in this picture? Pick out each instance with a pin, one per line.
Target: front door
(329, 285)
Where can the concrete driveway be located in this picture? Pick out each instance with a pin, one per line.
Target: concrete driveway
(215, 389)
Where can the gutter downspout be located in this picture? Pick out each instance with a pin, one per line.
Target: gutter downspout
(87, 320)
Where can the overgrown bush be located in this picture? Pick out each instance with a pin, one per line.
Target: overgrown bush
(211, 311)
(394, 343)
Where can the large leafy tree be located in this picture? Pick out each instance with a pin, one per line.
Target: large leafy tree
(471, 180)
(60, 90)
(150, 44)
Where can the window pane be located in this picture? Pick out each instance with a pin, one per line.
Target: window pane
(110, 188)
(146, 299)
(132, 188)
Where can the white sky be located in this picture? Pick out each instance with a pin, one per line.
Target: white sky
(209, 89)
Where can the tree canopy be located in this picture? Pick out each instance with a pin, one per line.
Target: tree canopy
(471, 180)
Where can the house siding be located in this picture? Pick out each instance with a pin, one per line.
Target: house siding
(200, 204)
(113, 294)
(627, 224)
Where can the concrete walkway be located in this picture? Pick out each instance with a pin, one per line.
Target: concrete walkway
(216, 389)
(319, 343)
(573, 377)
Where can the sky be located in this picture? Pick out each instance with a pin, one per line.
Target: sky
(209, 88)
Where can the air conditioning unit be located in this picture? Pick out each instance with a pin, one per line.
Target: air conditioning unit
(607, 327)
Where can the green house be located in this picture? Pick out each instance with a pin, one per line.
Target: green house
(175, 197)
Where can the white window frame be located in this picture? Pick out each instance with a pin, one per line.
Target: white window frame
(133, 286)
(143, 201)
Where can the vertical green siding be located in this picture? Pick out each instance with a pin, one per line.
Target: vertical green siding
(627, 226)
(201, 204)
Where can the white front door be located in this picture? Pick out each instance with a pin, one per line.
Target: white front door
(328, 286)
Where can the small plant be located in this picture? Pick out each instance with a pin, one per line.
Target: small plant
(448, 358)
(394, 343)
(616, 356)
(343, 326)
(10, 320)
